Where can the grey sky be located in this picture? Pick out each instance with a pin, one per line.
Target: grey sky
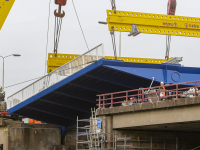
(25, 29)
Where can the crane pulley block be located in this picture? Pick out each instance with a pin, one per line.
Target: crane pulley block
(61, 2)
(171, 7)
(123, 21)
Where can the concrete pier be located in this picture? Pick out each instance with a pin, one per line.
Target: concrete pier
(15, 135)
(172, 124)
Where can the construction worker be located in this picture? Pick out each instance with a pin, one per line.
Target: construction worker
(38, 122)
(162, 91)
(34, 121)
(30, 120)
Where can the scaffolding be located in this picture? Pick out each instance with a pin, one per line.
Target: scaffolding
(90, 137)
(126, 140)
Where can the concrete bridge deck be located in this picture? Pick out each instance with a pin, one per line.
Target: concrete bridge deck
(172, 115)
(172, 124)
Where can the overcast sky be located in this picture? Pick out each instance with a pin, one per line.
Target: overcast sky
(25, 33)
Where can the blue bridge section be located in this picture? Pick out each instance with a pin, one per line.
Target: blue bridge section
(74, 96)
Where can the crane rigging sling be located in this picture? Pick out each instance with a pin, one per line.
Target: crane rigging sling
(171, 9)
(58, 23)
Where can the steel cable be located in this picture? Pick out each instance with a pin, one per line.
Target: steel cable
(113, 43)
(113, 5)
(80, 25)
(57, 30)
(168, 43)
(47, 37)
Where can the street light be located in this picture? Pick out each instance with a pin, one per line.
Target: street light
(15, 55)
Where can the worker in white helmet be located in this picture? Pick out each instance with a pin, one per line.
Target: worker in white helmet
(162, 91)
(162, 83)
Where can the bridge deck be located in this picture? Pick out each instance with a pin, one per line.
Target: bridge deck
(76, 95)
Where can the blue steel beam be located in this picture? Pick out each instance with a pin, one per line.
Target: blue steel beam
(108, 80)
(59, 103)
(98, 85)
(123, 78)
(46, 118)
(75, 96)
(72, 102)
(88, 88)
(54, 109)
(50, 113)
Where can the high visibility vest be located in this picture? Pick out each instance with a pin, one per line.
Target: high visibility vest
(162, 93)
(30, 120)
(34, 121)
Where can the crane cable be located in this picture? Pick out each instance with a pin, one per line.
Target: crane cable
(57, 29)
(47, 37)
(171, 9)
(113, 5)
(112, 33)
(168, 43)
(80, 25)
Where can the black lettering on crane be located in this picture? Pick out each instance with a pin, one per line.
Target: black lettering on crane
(175, 24)
(186, 25)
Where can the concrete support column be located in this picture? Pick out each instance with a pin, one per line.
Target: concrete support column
(109, 127)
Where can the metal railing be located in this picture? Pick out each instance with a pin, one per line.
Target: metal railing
(148, 95)
(56, 76)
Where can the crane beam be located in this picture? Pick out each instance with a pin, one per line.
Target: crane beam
(123, 21)
(5, 7)
(61, 59)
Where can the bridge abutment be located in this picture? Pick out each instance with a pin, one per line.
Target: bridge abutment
(173, 124)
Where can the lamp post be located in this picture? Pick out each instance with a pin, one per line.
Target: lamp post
(15, 55)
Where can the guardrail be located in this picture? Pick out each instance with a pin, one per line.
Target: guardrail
(56, 76)
(148, 95)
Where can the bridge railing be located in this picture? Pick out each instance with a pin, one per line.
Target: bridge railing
(148, 95)
(56, 76)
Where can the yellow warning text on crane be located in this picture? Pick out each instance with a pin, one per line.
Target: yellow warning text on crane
(5, 7)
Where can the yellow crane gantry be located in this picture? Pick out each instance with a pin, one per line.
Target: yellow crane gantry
(133, 22)
(124, 21)
(5, 7)
(136, 22)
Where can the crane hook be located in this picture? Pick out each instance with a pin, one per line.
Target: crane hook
(59, 14)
